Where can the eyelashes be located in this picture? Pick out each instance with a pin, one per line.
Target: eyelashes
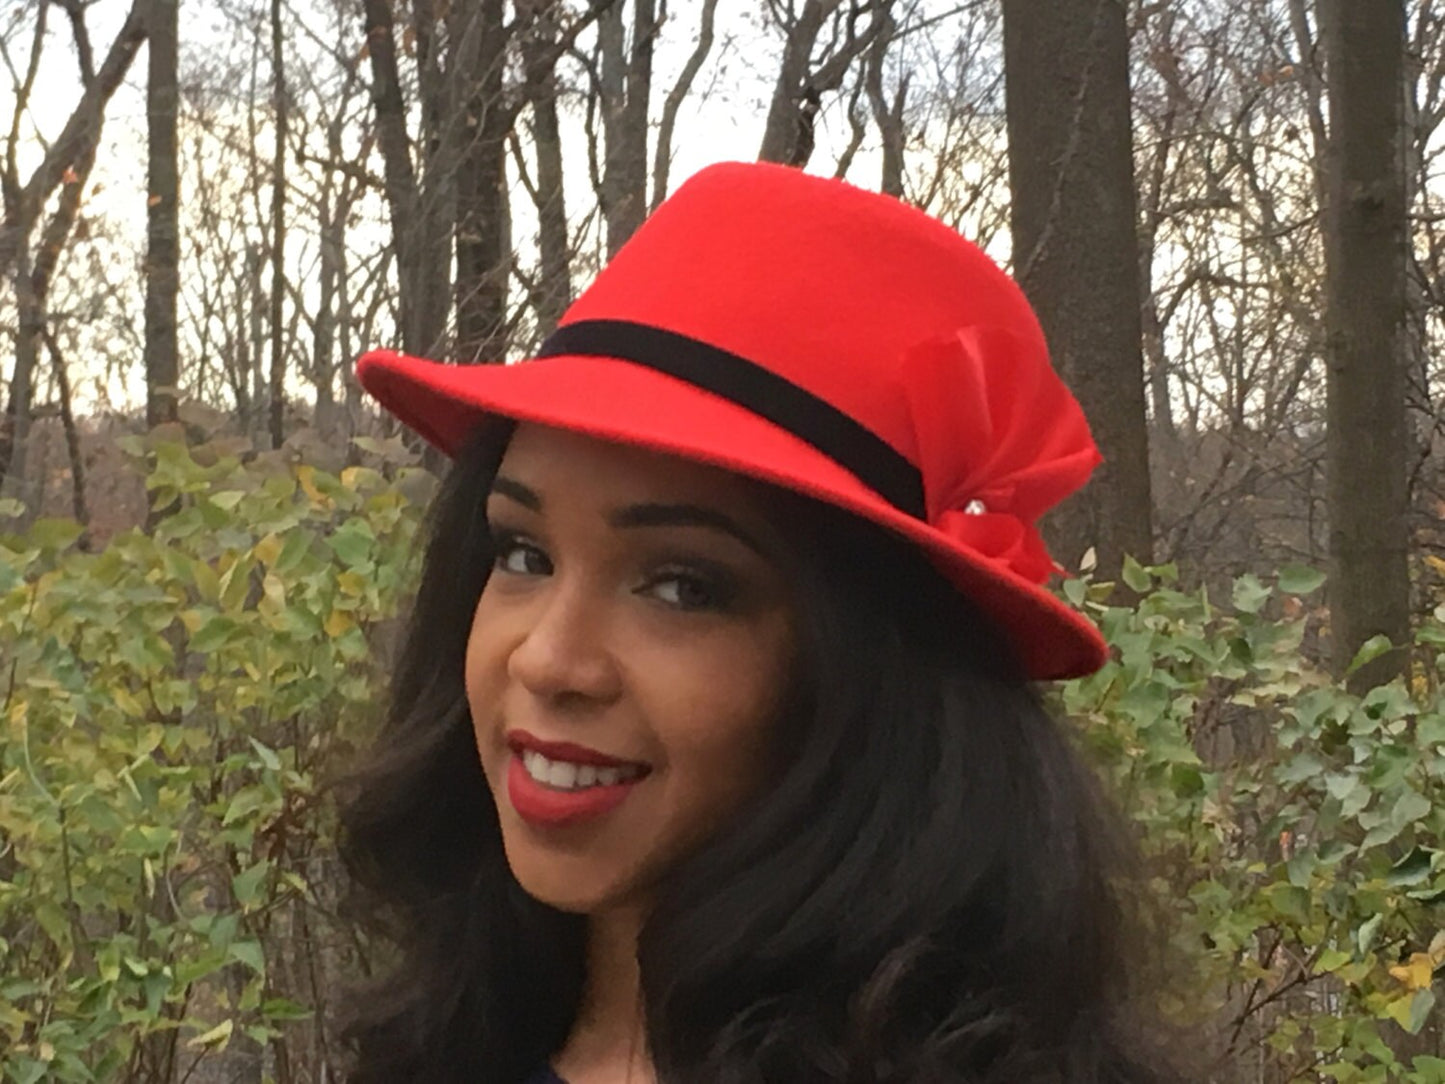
(684, 583)
(508, 547)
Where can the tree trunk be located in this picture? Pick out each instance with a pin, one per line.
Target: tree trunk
(554, 286)
(255, 371)
(1366, 239)
(421, 235)
(277, 413)
(1076, 251)
(23, 204)
(333, 210)
(626, 93)
(788, 133)
(482, 229)
(78, 505)
(162, 231)
(662, 161)
(30, 323)
(887, 114)
(807, 72)
(67, 162)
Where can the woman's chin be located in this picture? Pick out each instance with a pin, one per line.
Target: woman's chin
(562, 884)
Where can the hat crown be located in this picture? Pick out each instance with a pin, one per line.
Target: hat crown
(881, 312)
(827, 285)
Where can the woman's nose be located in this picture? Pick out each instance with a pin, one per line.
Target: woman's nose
(564, 653)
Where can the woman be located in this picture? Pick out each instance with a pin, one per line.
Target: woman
(712, 755)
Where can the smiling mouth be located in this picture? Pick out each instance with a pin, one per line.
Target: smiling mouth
(551, 793)
(565, 775)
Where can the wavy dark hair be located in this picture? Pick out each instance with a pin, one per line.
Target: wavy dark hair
(926, 891)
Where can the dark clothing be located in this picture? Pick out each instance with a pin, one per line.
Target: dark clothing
(545, 1075)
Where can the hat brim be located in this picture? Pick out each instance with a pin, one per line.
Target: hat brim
(620, 401)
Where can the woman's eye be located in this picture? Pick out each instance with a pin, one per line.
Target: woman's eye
(690, 592)
(520, 558)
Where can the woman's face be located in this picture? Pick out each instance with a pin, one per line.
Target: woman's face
(626, 661)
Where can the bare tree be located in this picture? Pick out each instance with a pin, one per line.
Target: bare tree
(553, 289)
(66, 164)
(281, 112)
(1075, 247)
(625, 88)
(1366, 235)
(162, 214)
(458, 201)
(479, 50)
(662, 155)
(423, 248)
(806, 75)
(887, 112)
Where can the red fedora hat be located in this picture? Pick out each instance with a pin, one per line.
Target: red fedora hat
(823, 338)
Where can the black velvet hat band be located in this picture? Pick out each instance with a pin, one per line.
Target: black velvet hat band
(842, 439)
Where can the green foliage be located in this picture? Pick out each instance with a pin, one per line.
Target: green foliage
(170, 709)
(1295, 833)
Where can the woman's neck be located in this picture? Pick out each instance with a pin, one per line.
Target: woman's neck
(607, 1044)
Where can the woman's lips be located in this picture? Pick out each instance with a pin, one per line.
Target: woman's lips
(519, 741)
(550, 807)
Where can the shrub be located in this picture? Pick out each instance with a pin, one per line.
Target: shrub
(171, 707)
(1293, 831)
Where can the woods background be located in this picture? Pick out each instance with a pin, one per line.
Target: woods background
(1228, 213)
(320, 178)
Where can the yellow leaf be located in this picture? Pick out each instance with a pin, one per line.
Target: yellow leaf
(126, 702)
(1437, 563)
(268, 549)
(1399, 1009)
(1416, 973)
(338, 623)
(306, 475)
(273, 595)
(217, 1036)
(351, 582)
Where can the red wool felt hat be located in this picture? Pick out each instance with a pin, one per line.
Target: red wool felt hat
(823, 338)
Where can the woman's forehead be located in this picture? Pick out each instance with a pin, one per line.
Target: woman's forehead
(562, 473)
(545, 459)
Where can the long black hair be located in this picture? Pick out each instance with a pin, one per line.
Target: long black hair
(926, 892)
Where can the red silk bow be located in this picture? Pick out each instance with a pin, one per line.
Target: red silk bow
(1000, 440)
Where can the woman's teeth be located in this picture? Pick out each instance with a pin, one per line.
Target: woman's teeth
(564, 775)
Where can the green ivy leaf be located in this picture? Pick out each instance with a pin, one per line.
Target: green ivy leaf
(1412, 1012)
(1291, 902)
(1250, 595)
(1369, 651)
(1300, 580)
(1410, 870)
(1368, 931)
(251, 954)
(1135, 576)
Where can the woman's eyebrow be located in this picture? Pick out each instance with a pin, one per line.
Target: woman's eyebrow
(523, 495)
(685, 515)
(649, 514)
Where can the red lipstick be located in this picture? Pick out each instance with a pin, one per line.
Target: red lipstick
(547, 807)
(552, 807)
